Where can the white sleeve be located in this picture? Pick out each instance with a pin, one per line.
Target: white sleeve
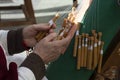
(17, 58)
(25, 74)
(3, 40)
(44, 78)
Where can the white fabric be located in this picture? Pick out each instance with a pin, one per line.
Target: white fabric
(44, 78)
(3, 40)
(17, 58)
(23, 73)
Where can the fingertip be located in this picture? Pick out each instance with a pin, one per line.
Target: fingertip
(54, 26)
(69, 37)
(51, 31)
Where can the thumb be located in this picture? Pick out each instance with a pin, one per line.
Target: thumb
(50, 37)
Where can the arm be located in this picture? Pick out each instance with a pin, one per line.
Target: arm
(27, 71)
(34, 65)
(49, 51)
(19, 40)
(12, 41)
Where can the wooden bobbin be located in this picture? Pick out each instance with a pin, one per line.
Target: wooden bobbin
(64, 23)
(40, 35)
(93, 32)
(67, 28)
(99, 41)
(99, 35)
(75, 46)
(100, 58)
(95, 54)
(72, 19)
(76, 40)
(60, 34)
(83, 49)
(70, 15)
(90, 61)
(54, 19)
(86, 50)
(94, 49)
(79, 53)
(75, 3)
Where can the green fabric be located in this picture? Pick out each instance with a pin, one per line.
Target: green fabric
(104, 16)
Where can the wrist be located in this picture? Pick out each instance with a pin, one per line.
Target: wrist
(41, 56)
(25, 45)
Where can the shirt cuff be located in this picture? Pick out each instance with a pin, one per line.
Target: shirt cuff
(15, 41)
(25, 74)
(36, 65)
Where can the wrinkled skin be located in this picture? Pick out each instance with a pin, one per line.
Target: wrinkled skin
(48, 48)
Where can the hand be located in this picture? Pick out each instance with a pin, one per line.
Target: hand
(49, 49)
(30, 32)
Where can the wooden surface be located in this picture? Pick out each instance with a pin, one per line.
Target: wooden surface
(112, 56)
(28, 11)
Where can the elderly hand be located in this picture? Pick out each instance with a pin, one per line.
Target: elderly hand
(31, 31)
(49, 49)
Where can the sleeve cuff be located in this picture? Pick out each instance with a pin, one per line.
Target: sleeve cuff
(15, 41)
(36, 65)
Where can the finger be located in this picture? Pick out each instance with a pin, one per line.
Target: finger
(53, 26)
(62, 43)
(63, 51)
(72, 31)
(51, 31)
(40, 27)
(70, 36)
(65, 42)
(50, 37)
(65, 46)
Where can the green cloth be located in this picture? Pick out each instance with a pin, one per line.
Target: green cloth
(103, 16)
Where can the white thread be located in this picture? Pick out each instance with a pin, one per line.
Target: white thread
(86, 40)
(77, 32)
(101, 52)
(99, 43)
(79, 46)
(51, 22)
(83, 45)
(86, 45)
(95, 45)
(91, 47)
(62, 34)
